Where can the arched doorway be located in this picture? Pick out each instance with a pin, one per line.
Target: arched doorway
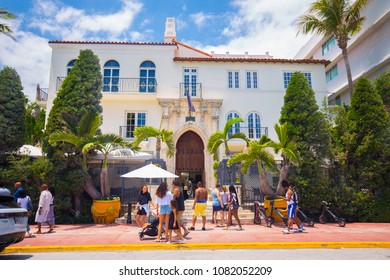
(190, 158)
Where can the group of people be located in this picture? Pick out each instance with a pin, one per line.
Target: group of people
(170, 207)
(45, 210)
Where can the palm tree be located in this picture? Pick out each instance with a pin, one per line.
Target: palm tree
(84, 136)
(288, 150)
(4, 28)
(257, 153)
(105, 143)
(144, 132)
(219, 138)
(334, 17)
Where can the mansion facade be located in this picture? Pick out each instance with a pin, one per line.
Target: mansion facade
(151, 84)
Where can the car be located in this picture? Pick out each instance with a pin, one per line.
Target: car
(13, 220)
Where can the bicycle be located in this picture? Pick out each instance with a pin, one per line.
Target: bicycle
(327, 212)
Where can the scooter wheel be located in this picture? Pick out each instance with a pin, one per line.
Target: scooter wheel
(141, 236)
(257, 220)
(310, 222)
(322, 219)
(341, 222)
(285, 221)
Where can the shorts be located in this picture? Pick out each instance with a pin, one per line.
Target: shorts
(141, 212)
(217, 208)
(225, 208)
(200, 209)
(179, 215)
(291, 210)
(165, 209)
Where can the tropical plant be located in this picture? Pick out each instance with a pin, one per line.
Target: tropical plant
(35, 123)
(257, 153)
(382, 85)
(219, 138)
(4, 28)
(162, 135)
(80, 93)
(85, 138)
(288, 150)
(339, 18)
(310, 131)
(12, 111)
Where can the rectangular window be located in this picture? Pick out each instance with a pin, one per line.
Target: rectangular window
(234, 79)
(327, 46)
(190, 80)
(287, 77)
(251, 79)
(332, 73)
(134, 120)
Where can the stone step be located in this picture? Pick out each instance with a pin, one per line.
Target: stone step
(244, 214)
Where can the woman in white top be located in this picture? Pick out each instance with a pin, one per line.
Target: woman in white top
(23, 201)
(163, 206)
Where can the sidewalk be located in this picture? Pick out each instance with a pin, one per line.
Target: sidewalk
(125, 237)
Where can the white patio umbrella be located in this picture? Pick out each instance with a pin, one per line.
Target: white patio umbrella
(149, 171)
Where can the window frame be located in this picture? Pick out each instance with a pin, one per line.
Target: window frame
(139, 118)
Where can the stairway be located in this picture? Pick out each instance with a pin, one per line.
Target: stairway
(245, 215)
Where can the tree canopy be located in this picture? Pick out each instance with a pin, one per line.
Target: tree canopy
(12, 111)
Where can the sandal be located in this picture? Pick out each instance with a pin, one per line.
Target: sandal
(191, 228)
(185, 234)
(157, 240)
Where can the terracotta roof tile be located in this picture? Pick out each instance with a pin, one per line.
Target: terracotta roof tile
(254, 60)
(111, 43)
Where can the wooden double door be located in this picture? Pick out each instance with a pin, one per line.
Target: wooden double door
(190, 157)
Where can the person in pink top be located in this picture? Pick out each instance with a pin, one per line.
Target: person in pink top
(45, 200)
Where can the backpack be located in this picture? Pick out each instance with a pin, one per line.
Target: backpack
(295, 197)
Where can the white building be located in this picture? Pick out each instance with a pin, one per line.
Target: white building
(144, 84)
(368, 52)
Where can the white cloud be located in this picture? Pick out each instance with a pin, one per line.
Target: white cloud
(200, 18)
(261, 26)
(69, 23)
(30, 56)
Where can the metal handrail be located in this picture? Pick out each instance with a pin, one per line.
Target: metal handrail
(124, 85)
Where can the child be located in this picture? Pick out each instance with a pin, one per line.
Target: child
(173, 225)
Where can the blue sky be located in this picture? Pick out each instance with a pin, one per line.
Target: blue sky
(237, 26)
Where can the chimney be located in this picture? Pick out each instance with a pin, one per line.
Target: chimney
(170, 31)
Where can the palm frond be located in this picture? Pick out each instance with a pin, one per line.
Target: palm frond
(229, 124)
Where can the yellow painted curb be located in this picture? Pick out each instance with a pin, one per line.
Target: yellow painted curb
(198, 246)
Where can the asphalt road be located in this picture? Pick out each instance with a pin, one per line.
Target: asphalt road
(268, 254)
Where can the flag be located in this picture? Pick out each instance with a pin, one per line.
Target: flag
(191, 107)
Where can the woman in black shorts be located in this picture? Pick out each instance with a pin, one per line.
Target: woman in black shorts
(142, 206)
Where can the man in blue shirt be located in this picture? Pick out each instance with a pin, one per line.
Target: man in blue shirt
(18, 188)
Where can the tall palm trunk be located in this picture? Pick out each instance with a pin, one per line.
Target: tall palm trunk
(90, 189)
(348, 69)
(77, 203)
(283, 176)
(158, 148)
(104, 184)
(264, 186)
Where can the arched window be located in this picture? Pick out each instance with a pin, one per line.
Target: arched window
(147, 74)
(111, 76)
(70, 66)
(254, 126)
(236, 127)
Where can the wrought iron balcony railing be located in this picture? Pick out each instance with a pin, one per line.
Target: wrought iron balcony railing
(42, 94)
(194, 89)
(252, 133)
(124, 85)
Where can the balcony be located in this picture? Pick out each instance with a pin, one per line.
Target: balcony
(194, 89)
(124, 85)
(41, 96)
(252, 133)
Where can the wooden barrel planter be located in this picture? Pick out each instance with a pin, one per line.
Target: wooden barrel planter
(105, 211)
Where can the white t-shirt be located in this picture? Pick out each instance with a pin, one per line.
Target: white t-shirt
(23, 201)
(166, 200)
